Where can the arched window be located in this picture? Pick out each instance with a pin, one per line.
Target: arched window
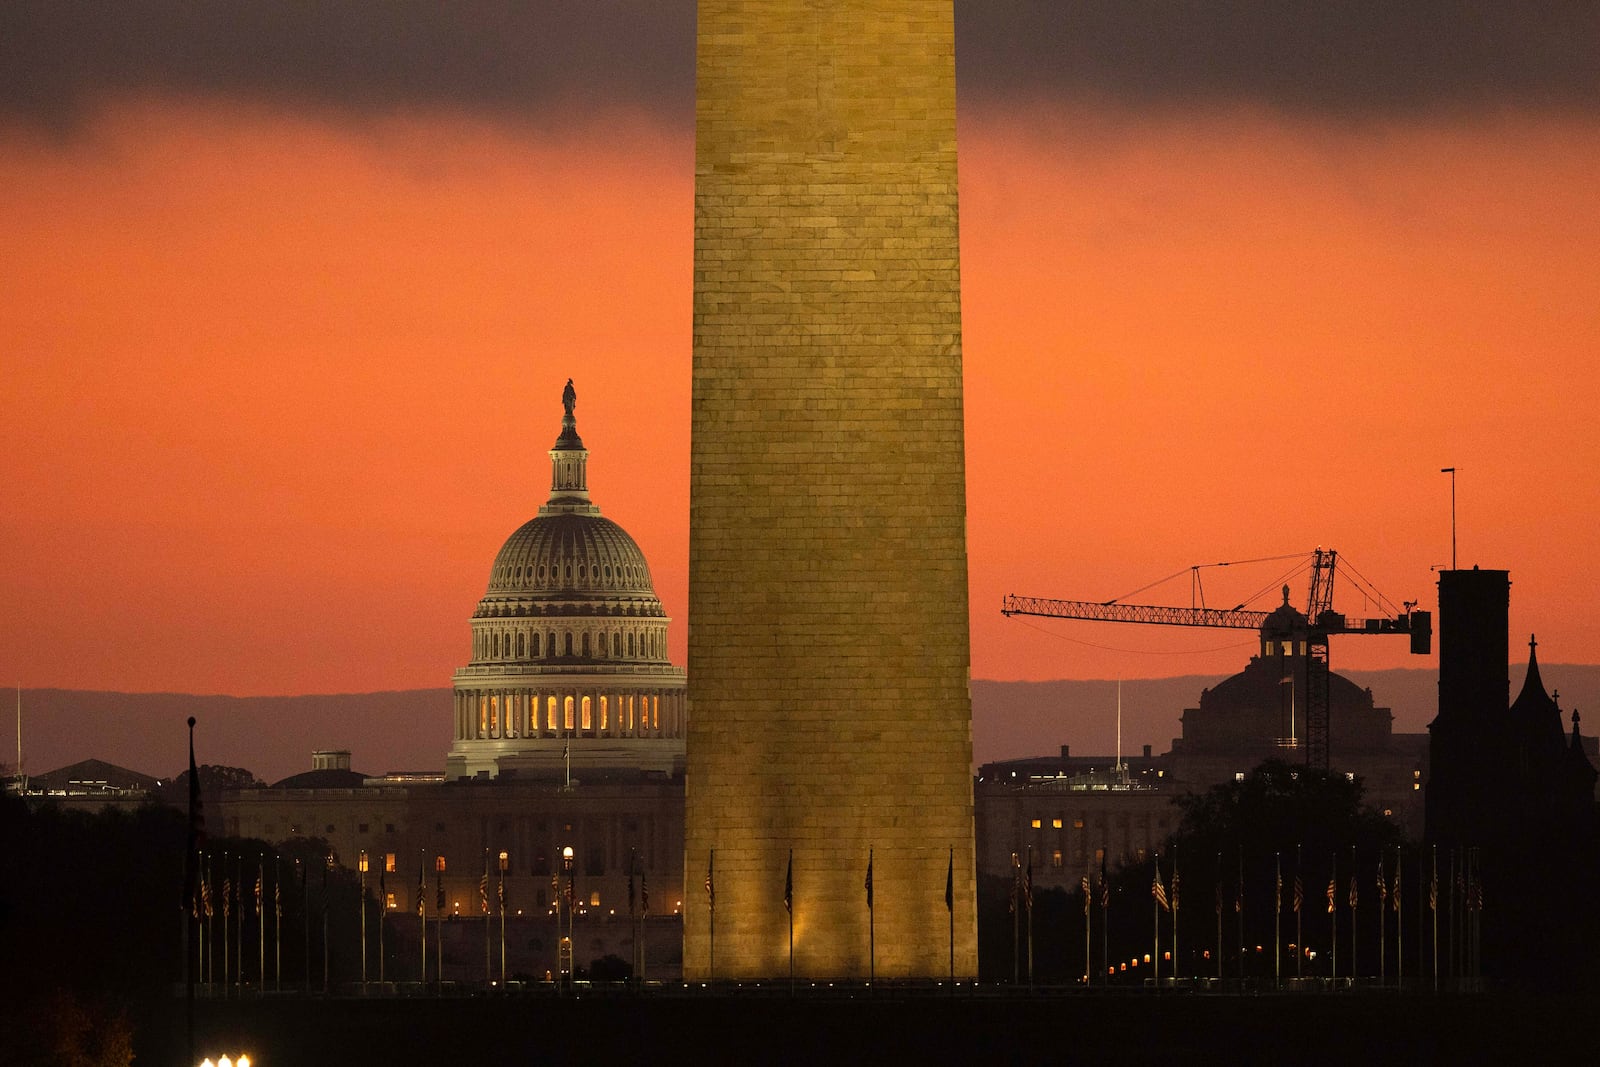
(588, 716)
(550, 714)
(605, 714)
(616, 644)
(494, 646)
(522, 645)
(550, 645)
(483, 716)
(494, 716)
(586, 644)
(630, 715)
(630, 644)
(569, 642)
(566, 710)
(655, 713)
(533, 644)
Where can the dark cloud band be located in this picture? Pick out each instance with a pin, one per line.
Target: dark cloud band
(545, 60)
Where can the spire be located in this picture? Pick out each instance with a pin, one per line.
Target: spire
(569, 462)
(1532, 684)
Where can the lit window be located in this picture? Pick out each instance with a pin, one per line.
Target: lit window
(1415, 786)
(1055, 823)
(1077, 824)
(388, 901)
(1238, 776)
(388, 862)
(1349, 776)
(1055, 859)
(438, 864)
(1036, 824)
(594, 899)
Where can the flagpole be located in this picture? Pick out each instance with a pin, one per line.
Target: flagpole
(1016, 918)
(1355, 925)
(1383, 945)
(1433, 906)
(1174, 918)
(383, 916)
(1088, 967)
(238, 890)
(1155, 907)
(191, 862)
(1239, 910)
(483, 901)
(1299, 916)
(711, 915)
(1397, 902)
(872, 932)
(788, 906)
(1277, 924)
(1219, 918)
(361, 881)
(422, 914)
(305, 925)
(1105, 927)
(1027, 897)
(1333, 915)
(327, 862)
(501, 891)
(950, 906)
(277, 922)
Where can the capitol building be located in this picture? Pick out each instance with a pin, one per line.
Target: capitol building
(565, 768)
(569, 668)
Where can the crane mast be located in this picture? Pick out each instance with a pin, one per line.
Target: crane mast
(1309, 634)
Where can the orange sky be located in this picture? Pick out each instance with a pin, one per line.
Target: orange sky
(275, 389)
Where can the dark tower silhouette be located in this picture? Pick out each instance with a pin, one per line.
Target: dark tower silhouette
(1511, 797)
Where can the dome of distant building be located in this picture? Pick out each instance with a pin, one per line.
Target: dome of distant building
(569, 670)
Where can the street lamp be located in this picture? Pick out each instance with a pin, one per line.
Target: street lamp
(361, 865)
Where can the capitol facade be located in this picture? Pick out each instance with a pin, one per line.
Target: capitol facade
(569, 673)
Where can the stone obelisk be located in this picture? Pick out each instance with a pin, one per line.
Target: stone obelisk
(828, 645)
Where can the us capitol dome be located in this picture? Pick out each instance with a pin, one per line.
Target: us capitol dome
(569, 674)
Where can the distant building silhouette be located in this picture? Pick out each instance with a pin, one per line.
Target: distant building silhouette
(1511, 799)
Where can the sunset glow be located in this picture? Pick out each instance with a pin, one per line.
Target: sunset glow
(278, 385)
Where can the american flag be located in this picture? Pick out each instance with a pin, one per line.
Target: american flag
(1027, 882)
(869, 879)
(422, 888)
(1174, 889)
(1383, 885)
(1299, 891)
(1352, 892)
(644, 894)
(483, 884)
(1158, 891)
(1277, 894)
(258, 891)
(1087, 896)
(1333, 893)
(227, 894)
(1394, 891)
(711, 885)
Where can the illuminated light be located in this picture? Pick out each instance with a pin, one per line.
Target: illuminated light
(242, 1061)
(224, 1062)
(1147, 957)
(207, 1062)
(1166, 955)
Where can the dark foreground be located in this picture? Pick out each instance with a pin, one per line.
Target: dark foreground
(670, 1026)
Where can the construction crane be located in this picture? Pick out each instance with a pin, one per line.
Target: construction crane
(1306, 634)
